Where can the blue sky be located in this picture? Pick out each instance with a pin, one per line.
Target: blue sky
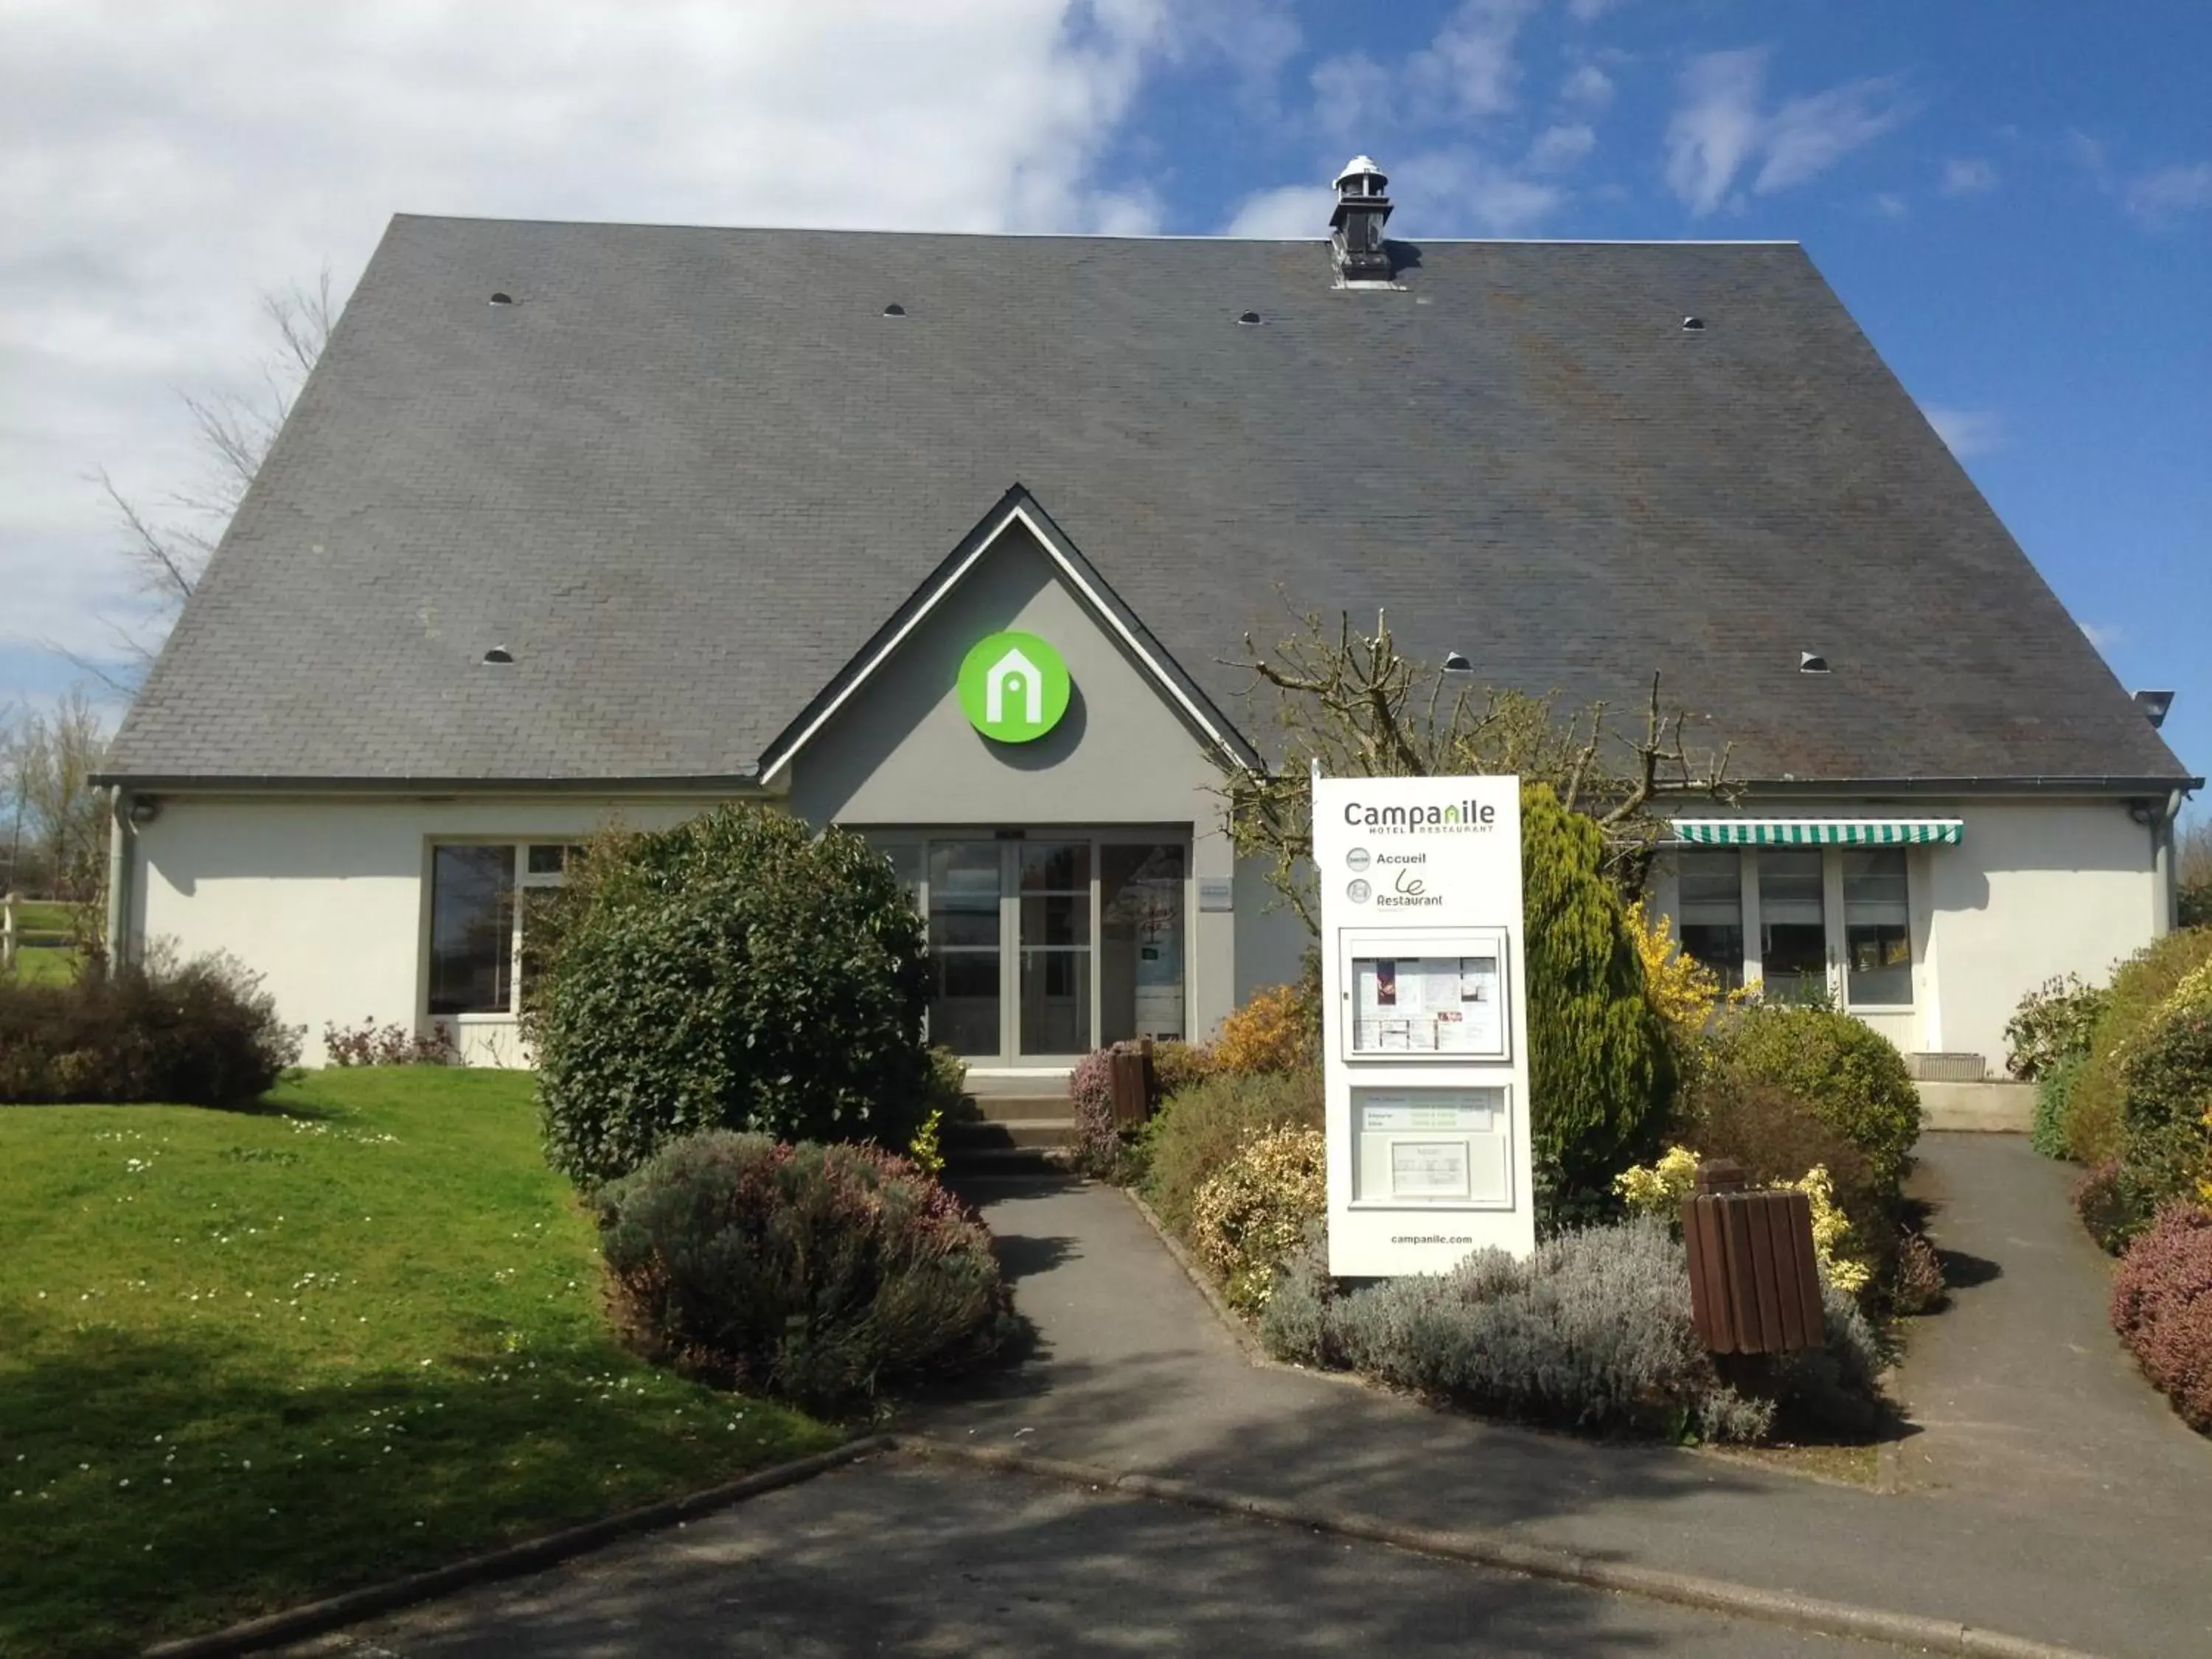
(2015, 201)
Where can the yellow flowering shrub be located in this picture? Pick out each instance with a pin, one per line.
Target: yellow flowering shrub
(1682, 990)
(1659, 1188)
(925, 1152)
(1272, 1032)
(1832, 1232)
(1252, 1212)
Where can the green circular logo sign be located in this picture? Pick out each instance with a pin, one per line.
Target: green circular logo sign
(1013, 687)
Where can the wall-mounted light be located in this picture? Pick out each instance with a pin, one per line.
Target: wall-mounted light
(2155, 705)
(144, 809)
(1456, 662)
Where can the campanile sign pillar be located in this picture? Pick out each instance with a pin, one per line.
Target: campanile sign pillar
(1424, 1022)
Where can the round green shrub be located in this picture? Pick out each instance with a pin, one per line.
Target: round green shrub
(738, 971)
(2167, 1077)
(2094, 1124)
(1848, 1072)
(819, 1274)
(1600, 1074)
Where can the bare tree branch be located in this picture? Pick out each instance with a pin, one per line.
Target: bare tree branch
(167, 553)
(1352, 701)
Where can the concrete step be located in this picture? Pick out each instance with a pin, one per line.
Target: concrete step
(1001, 1108)
(987, 1161)
(1032, 1132)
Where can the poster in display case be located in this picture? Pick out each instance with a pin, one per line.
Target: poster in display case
(1440, 996)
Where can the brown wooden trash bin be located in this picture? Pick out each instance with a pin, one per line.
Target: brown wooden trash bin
(1131, 1074)
(1754, 1281)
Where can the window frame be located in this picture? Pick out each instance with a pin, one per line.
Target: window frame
(523, 879)
(1835, 922)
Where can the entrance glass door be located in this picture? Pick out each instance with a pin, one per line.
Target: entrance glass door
(964, 930)
(1043, 947)
(1054, 938)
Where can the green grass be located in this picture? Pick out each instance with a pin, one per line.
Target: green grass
(46, 964)
(249, 1358)
(43, 916)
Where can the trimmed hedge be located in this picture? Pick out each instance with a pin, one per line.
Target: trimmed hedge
(1847, 1072)
(2095, 1123)
(205, 1034)
(740, 972)
(2165, 1077)
(2054, 1093)
(2162, 1308)
(1198, 1133)
(820, 1275)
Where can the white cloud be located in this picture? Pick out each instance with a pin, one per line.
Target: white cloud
(1891, 205)
(2169, 192)
(1290, 210)
(1471, 63)
(1561, 147)
(1589, 86)
(1967, 432)
(1968, 176)
(1354, 96)
(1467, 71)
(1588, 11)
(160, 166)
(1719, 130)
(2104, 636)
(1452, 192)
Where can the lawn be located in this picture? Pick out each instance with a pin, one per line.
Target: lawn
(249, 1358)
(43, 955)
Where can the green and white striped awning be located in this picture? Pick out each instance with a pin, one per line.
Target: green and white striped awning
(1818, 832)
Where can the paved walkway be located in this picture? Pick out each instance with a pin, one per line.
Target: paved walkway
(1134, 1372)
(2022, 1395)
(901, 1559)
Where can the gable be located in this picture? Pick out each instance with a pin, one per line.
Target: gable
(892, 744)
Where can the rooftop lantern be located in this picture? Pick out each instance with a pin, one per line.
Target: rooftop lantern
(1357, 224)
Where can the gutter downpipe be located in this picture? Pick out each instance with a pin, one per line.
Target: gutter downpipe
(2167, 874)
(119, 833)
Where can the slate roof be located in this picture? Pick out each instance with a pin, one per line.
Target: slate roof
(689, 473)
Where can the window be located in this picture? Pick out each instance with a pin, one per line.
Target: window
(1877, 928)
(1711, 912)
(1793, 927)
(480, 930)
(471, 929)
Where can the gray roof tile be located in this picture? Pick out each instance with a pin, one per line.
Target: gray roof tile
(692, 470)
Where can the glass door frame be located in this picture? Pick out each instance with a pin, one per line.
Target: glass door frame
(908, 847)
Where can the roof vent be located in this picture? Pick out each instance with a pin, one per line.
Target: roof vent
(1455, 662)
(1248, 317)
(1808, 662)
(895, 309)
(2154, 705)
(1357, 222)
(1693, 325)
(498, 655)
(502, 298)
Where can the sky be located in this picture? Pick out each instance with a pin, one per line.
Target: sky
(2014, 201)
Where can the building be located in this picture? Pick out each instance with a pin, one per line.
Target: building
(580, 522)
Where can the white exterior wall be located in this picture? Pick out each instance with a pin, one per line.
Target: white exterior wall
(2034, 889)
(2043, 888)
(328, 899)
